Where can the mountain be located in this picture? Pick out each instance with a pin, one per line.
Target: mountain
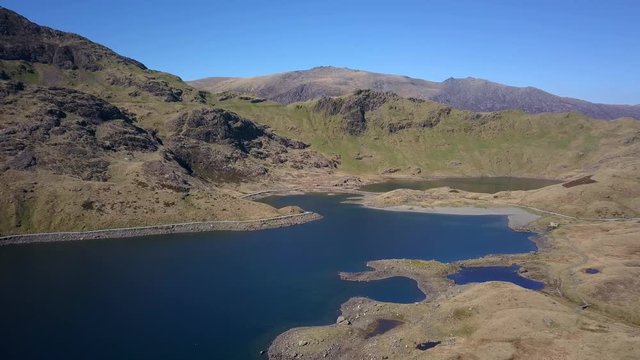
(466, 94)
(23, 40)
(321, 81)
(91, 139)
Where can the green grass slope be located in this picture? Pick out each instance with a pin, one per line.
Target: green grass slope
(398, 134)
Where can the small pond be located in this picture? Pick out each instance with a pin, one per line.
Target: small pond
(477, 274)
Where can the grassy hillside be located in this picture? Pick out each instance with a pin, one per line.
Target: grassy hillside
(461, 143)
(90, 139)
(68, 171)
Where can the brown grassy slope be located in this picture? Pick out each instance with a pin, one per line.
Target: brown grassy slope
(42, 202)
(610, 248)
(480, 321)
(71, 161)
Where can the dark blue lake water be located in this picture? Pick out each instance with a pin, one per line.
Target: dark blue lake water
(219, 295)
(476, 274)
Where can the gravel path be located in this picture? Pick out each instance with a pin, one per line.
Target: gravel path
(203, 226)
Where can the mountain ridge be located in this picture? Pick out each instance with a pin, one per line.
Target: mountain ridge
(468, 93)
(54, 47)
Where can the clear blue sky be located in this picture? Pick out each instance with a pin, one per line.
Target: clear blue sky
(586, 49)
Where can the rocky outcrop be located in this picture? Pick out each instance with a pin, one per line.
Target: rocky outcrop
(219, 145)
(155, 87)
(217, 126)
(431, 120)
(365, 100)
(65, 131)
(167, 175)
(213, 162)
(20, 39)
(213, 125)
(353, 108)
(162, 89)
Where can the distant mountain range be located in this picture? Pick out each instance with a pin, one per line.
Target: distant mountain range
(467, 94)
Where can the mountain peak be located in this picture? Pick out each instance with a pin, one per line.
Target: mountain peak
(328, 68)
(12, 23)
(28, 41)
(324, 67)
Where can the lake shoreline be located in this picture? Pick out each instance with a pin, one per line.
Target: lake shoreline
(518, 218)
(180, 228)
(451, 310)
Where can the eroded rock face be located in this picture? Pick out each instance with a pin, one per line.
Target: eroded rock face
(155, 87)
(215, 162)
(65, 131)
(21, 39)
(218, 126)
(353, 108)
(60, 101)
(162, 89)
(219, 145)
(431, 120)
(167, 175)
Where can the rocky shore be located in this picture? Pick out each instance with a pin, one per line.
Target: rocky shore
(204, 226)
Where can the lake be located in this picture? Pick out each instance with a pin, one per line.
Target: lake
(220, 295)
(489, 185)
(477, 274)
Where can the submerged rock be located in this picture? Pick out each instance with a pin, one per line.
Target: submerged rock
(427, 345)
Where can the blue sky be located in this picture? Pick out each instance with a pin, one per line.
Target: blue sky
(584, 49)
